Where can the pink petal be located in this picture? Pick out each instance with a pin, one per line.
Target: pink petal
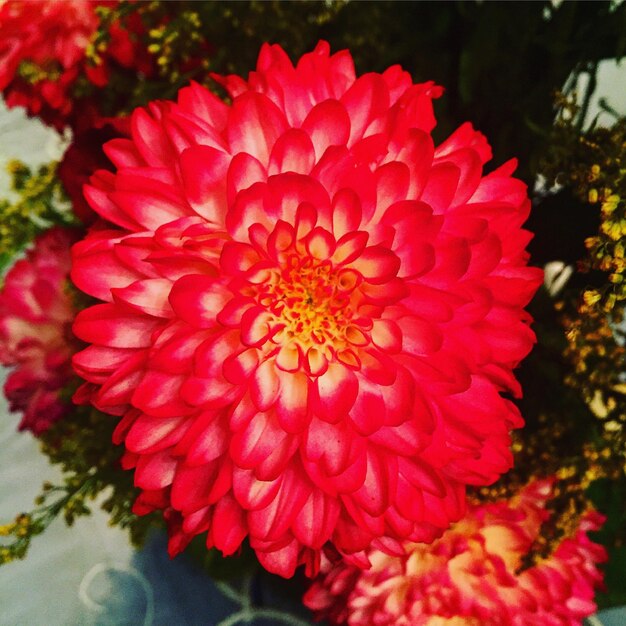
(350, 247)
(200, 102)
(265, 385)
(365, 101)
(149, 210)
(148, 296)
(316, 520)
(292, 403)
(337, 390)
(379, 487)
(292, 152)
(419, 336)
(110, 325)
(376, 264)
(281, 561)
(205, 440)
(228, 528)
(238, 368)
(327, 124)
(97, 251)
(252, 493)
(251, 445)
(191, 487)
(151, 434)
(99, 200)
(387, 336)
(320, 244)
(254, 125)
(238, 257)
(158, 395)
(244, 171)
(392, 185)
(255, 326)
(122, 153)
(203, 171)
(441, 187)
(368, 411)
(416, 152)
(197, 299)
(150, 140)
(155, 471)
(346, 212)
(271, 522)
(330, 444)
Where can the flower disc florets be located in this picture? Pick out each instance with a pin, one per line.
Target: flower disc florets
(310, 312)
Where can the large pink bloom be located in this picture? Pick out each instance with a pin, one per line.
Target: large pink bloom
(470, 577)
(50, 37)
(36, 314)
(310, 312)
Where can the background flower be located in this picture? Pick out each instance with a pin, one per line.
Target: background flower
(310, 311)
(474, 575)
(44, 57)
(83, 157)
(36, 313)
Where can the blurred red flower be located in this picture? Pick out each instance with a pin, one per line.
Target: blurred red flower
(471, 577)
(43, 47)
(36, 314)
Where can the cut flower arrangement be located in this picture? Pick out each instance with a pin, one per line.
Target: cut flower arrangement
(283, 316)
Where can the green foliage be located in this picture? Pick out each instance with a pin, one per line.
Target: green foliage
(609, 496)
(81, 444)
(585, 330)
(501, 63)
(40, 203)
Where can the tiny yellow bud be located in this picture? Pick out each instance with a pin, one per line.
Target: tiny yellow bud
(610, 203)
(591, 296)
(6, 529)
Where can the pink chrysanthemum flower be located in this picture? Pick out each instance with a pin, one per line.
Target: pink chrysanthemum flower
(310, 311)
(36, 314)
(43, 53)
(471, 576)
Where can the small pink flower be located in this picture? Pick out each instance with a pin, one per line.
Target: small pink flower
(309, 310)
(35, 337)
(471, 577)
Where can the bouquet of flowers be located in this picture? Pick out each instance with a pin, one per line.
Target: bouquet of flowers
(276, 300)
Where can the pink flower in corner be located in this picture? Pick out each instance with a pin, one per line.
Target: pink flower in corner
(36, 314)
(471, 577)
(309, 310)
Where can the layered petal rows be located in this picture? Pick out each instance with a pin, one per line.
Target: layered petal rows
(473, 576)
(36, 314)
(309, 311)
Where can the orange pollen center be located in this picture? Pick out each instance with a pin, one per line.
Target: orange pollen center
(311, 303)
(310, 314)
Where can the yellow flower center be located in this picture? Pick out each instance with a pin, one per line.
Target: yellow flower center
(311, 310)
